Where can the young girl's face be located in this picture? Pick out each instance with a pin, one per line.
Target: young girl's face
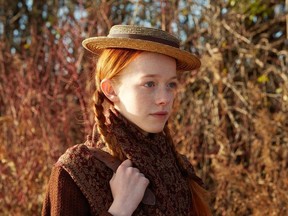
(146, 89)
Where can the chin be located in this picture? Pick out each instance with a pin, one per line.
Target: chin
(155, 130)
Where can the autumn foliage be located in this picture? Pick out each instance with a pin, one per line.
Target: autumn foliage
(231, 119)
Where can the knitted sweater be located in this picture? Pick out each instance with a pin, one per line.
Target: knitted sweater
(79, 183)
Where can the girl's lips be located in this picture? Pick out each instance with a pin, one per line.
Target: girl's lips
(161, 113)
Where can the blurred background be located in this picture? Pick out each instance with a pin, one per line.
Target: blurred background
(231, 119)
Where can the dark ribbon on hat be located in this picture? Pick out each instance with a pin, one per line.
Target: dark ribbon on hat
(147, 38)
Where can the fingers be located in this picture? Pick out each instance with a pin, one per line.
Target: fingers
(129, 173)
(128, 186)
(126, 167)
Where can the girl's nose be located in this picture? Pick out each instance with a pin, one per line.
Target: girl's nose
(164, 97)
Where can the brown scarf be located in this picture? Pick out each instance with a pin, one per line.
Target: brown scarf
(152, 154)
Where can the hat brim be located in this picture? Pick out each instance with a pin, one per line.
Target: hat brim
(185, 60)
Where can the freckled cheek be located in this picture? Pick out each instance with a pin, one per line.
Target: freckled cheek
(144, 98)
(172, 96)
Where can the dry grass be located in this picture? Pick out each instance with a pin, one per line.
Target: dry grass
(231, 120)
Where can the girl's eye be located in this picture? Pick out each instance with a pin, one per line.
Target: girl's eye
(172, 85)
(149, 84)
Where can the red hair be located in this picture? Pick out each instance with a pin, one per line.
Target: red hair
(111, 63)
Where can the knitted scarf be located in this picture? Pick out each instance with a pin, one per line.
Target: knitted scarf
(152, 154)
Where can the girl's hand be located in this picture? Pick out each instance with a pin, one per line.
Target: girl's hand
(128, 186)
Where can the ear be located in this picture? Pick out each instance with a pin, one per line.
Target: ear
(109, 90)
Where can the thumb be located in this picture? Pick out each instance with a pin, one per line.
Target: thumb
(127, 163)
(113, 177)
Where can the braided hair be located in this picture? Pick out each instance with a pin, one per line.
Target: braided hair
(109, 66)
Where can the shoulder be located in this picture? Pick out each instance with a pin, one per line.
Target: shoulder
(89, 173)
(187, 166)
(81, 158)
(60, 182)
(61, 188)
(188, 169)
(76, 152)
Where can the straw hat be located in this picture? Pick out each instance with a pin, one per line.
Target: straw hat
(146, 39)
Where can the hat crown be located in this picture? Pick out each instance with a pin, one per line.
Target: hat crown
(144, 39)
(142, 31)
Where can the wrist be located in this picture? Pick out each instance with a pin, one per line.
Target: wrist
(119, 210)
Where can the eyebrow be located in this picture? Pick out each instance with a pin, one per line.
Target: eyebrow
(155, 75)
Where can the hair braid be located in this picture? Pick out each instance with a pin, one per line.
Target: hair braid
(200, 196)
(99, 114)
(109, 140)
(110, 64)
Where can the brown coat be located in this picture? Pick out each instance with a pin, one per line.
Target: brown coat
(79, 183)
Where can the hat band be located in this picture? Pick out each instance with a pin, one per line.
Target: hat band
(145, 37)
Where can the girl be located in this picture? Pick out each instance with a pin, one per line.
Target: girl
(136, 81)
